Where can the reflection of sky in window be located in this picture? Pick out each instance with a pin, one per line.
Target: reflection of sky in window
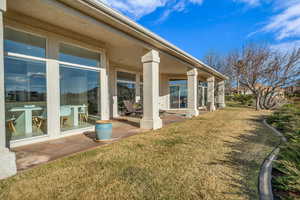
(24, 43)
(128, 85)
(203, 84)
(24, 74)
(14, 47)
(125, 76)
(76, 55)
(182, 86)
(77, 80)
(178, 82)
(77, 60)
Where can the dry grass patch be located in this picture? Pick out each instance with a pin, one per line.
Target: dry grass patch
(214, 156)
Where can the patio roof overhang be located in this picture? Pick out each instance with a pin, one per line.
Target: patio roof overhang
(125, 40)
(150, 39)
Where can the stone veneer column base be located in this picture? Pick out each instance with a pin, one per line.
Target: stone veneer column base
(221, 105)
(151, 124)
(7, 163)
(211, 107)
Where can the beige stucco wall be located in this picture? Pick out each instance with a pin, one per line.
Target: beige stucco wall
(164, 92)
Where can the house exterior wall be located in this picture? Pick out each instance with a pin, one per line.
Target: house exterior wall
(108, 100)
(164, 95)
(54, 38)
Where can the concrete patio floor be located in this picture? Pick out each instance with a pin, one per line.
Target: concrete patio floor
(36, 154)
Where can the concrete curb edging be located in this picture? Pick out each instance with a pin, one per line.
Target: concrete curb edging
(265, 175)
(275, 131)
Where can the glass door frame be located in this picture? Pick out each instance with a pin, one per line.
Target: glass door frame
(135, 83)
(34, 58)
(179, 94)
(83, 67)
(52, 81)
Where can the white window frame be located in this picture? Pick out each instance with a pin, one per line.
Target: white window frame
(18, 55)
(178, 95)
(84, 67)
(98, 68)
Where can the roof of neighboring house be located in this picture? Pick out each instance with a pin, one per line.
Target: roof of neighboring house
(145, 34)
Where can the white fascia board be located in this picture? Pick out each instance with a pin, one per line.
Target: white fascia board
(145, 32)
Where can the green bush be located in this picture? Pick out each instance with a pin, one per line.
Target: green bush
(244, 99)
(228, 98)
(288, 165)
(287, 120)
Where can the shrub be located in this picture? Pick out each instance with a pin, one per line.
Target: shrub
(287, 120)
(244, 99)
(228, 98)
(288, 166)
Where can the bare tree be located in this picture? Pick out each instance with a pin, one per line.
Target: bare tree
(265, 72)
(214, 60)
(219, 62)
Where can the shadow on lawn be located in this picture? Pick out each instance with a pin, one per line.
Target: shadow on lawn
(248, 151)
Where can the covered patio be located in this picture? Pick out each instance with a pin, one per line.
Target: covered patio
(58, 77)
(32, 155)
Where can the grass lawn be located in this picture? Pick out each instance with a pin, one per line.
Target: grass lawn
(214, 156)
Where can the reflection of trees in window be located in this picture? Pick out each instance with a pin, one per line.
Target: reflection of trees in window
(80, 87)
(126, 91)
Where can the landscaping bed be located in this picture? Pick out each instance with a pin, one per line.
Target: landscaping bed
(286, 170)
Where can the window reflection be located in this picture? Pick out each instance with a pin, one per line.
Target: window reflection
(24, 43)
(25, 98)
(76, 55)
(178, 93)
(79, 97)
(126, 89)
(25, 85)
(79, 87)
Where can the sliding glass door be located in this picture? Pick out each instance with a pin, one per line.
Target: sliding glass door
(126, 84)
(178, 94)
(79, 87)
(174, 96)
(25, 85)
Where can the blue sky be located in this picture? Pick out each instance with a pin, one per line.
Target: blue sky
(201, 26)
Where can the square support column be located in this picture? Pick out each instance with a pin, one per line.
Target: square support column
(104, 91)
(113, 93)
(151, 119)
(211, 93)
(221, 94)
(164, 93)
(192, 92)
(7, 159)
(53, 88)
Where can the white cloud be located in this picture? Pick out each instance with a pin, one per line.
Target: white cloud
(251, 3)
(286, 23)
(286, 46)
(139, 8)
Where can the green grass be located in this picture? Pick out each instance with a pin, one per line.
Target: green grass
(214, 156)
(286, 180)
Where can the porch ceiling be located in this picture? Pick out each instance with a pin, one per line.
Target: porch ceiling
(123, 50)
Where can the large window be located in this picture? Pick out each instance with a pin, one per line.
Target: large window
(25, 85)
(178, 94)
(126, 88)
(79, 87)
